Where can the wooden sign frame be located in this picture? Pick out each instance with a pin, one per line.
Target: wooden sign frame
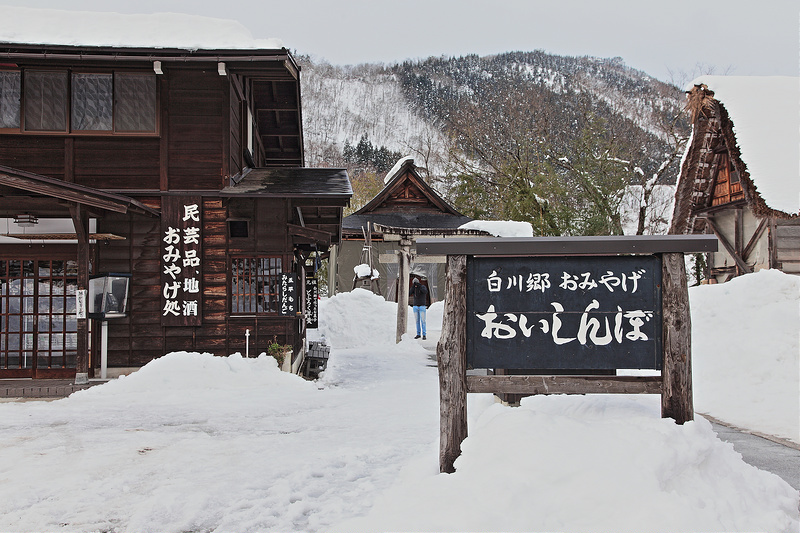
(674, 385)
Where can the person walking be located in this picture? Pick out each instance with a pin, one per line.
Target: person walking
(420, 306)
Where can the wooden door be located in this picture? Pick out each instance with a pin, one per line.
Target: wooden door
(38, 328)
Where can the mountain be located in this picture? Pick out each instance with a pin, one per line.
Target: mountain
(424, 108)
(403, 106)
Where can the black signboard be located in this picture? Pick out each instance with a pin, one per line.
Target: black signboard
(597, 312)
(181, 264)
(312, 303)
(287, 294)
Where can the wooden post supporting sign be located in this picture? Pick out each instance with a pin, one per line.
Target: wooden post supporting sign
(676, 393)
(561, 305)
(451, 354)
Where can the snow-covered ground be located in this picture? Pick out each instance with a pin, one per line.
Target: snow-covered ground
(746, 352)
(193, 442)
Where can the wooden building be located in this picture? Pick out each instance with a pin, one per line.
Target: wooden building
(740, 178)
(180, 169)
(406, 208)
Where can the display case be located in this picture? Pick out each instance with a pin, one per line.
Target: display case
(108, 296)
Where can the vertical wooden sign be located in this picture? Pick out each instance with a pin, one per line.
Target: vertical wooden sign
(287, 294)
(181, 266)
(312, 303)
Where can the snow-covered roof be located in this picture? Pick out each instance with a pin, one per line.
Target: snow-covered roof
(157, 30)
(501, 228)
(766, 116)
(396, 168)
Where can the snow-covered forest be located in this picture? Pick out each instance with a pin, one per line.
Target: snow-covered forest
(572, 145)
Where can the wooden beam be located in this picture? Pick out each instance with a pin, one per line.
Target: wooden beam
(676, 392)
(322, 237)
(80, 220)
(451, 354)
(511, 384)
(163, 144)
(728, 246)
(751, 244)
(584, 245)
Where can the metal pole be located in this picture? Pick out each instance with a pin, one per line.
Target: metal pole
(104, 349)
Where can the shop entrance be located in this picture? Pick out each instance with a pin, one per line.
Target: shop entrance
(38, 327)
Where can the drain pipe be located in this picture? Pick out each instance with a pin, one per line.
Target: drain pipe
(247, 343)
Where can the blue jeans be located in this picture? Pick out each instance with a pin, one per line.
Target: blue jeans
(419, 318)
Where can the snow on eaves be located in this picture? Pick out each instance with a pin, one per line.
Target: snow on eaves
(765, 111)
(396, 168)
(157, 30)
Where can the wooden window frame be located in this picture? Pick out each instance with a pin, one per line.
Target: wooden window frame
(19, 102)
(244, 300)
(22, 129)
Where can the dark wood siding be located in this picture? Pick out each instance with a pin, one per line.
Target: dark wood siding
(117, 163)
(197, 102)
(41, 155)
(139, 338)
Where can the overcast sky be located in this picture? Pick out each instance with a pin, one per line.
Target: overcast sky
(669, 39)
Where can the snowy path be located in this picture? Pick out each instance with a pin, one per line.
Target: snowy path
(281, 455)
(780, 458)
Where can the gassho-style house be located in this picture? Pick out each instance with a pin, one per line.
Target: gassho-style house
(153, 196)
(740, 178)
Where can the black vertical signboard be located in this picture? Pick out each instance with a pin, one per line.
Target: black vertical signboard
(181, 266)
(287, 294)
(312, 303)
(564, 312)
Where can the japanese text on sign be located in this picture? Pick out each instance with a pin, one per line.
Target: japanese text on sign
(287, 293)
(181, 254)
(564, 312)
(312, 303)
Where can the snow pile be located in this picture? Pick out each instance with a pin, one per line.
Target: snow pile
(746, 352)
(357, 318)
(362, 319)
(501, 228)
(159, 30)
(363, 271)
(185, 372)
(766, 117)
(581, 464)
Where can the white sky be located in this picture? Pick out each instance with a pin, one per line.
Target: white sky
(671, 40)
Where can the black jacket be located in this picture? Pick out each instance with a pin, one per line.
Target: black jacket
(420, 294)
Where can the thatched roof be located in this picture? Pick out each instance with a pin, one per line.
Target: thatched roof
(769, 171)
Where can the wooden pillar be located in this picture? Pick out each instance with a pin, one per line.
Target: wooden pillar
(332, 269)
(402, 287)
(80, 219)
(676, 391)
(451, 353)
